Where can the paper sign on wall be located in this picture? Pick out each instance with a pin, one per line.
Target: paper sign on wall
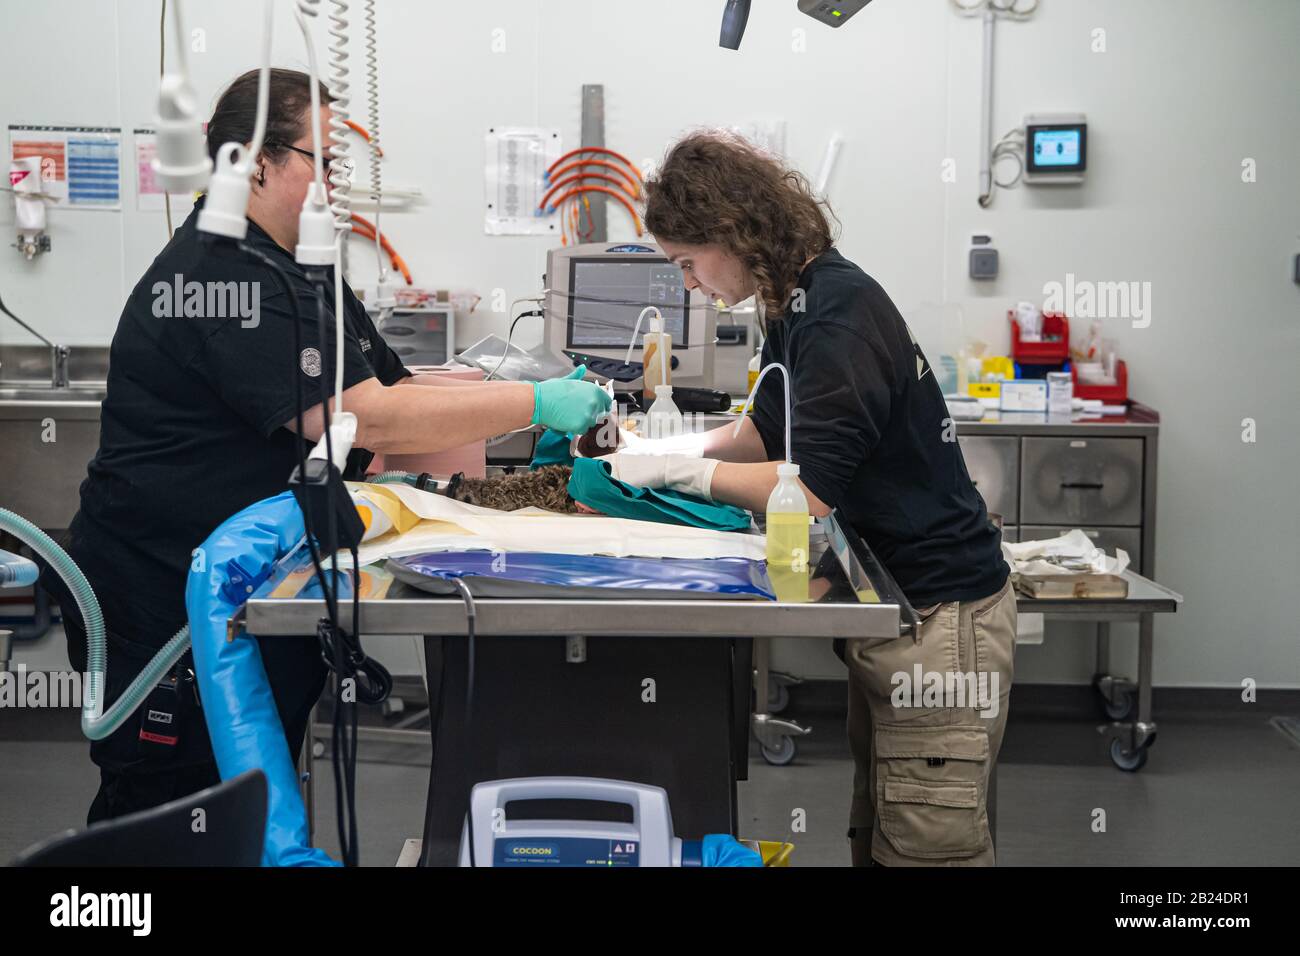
(517, 159)
(80, 165)
(148, 191)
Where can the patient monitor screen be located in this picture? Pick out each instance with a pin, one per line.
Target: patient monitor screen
(1057, 148)
(607, 295)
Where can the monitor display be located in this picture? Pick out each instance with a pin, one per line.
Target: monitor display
(607, 294)
(1057, 148)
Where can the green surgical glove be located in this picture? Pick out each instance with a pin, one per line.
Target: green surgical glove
(568, 404)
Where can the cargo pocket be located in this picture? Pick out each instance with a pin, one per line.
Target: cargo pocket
(929, 781)
(993, 629)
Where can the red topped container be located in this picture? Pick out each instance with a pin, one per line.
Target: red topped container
(1116, 394)
(1042, 353)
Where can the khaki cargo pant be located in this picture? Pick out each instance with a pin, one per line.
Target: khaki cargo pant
(922, 761)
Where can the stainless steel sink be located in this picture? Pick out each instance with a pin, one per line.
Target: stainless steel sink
(47, 436)
(47, 394)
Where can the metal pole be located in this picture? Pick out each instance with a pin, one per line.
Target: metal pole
(593, 134)
(986, 109)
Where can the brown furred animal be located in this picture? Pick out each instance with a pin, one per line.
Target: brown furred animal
(545, 488)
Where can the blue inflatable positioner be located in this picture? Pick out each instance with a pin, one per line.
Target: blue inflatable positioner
(237, 702)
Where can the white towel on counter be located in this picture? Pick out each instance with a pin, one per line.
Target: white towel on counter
(1069, 553)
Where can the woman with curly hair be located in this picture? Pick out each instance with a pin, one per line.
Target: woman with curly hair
(873, 440)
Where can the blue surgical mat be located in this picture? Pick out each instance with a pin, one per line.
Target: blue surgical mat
(528, 573)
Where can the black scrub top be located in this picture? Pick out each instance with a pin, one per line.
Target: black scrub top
(873, 437)
(192, 425)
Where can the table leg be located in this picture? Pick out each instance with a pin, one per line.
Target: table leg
(1132, 742)
(306, 776)
(1103, 649)
(762, 653)
(1144, 729)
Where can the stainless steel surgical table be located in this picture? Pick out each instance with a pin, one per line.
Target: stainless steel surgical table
(560, 683)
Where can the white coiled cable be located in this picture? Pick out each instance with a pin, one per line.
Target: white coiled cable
(340, 164)
(372, 113)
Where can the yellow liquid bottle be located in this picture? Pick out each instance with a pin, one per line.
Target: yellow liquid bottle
(657, 356)
(787, 536)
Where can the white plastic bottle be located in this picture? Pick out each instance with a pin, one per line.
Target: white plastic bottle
(787, 510)
(787, 536)
(664, 420)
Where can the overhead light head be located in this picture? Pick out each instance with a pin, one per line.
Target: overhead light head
(831, 12)
(734, 18)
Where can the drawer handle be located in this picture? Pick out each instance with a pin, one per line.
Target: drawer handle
(1087, 485)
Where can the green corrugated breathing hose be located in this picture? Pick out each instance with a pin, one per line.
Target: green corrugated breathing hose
(95, 722)
(394, 478)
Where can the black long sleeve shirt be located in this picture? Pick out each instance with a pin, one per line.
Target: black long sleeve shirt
(872, 436)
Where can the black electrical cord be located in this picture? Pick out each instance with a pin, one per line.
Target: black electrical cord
(296, 306)
(343, 754)
(505, 353)
(334, 649)
(471, 614)
(342, 651)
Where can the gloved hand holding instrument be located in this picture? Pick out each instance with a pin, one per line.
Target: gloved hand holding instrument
(569, 404)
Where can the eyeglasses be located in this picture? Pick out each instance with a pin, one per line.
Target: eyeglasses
(326, 158)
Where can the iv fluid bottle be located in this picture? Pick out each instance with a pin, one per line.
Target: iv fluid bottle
(657, 355)
(787, 536)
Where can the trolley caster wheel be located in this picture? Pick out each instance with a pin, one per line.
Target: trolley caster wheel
(778, 697)
(1129, 760)
(317, 748)
(1122, 709)
(782, 754)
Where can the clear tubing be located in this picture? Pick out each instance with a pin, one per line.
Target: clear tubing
(96, 724)
(17, 571)
(636, 330)
(785, 372)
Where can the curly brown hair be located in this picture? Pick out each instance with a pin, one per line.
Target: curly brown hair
(716, 188)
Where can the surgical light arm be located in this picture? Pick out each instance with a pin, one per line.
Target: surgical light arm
(735, 16)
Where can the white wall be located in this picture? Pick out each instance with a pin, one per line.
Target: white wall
(1186, 90)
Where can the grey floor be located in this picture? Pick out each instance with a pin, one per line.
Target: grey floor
(1219, 789)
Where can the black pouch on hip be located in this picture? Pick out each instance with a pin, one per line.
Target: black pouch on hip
(163, 714)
